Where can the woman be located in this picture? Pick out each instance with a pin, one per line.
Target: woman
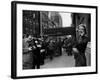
(80, 46)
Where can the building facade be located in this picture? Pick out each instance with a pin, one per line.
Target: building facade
(31, 22)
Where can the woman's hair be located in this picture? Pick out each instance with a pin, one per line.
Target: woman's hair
(84, 26)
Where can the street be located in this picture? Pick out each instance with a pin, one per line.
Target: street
(59, 62)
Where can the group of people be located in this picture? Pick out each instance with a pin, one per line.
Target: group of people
(36, 48)
(41, 49)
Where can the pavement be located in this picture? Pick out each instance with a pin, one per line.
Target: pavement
(58, 62)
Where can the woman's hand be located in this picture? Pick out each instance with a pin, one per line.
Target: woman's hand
(75, 50)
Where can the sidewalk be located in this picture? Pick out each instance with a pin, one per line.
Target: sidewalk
(59, 62)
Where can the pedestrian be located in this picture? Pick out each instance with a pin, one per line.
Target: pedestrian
(37, 54)
(59, 46)
(80, 46)
(51, 49)
(43, 52)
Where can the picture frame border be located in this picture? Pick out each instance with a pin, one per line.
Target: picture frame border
(14, 38)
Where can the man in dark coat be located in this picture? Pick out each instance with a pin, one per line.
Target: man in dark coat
(37, 55)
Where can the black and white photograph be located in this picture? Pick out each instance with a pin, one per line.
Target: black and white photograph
(53, 39)
(56, 39)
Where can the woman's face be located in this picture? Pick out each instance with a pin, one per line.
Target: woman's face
(81, 31)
